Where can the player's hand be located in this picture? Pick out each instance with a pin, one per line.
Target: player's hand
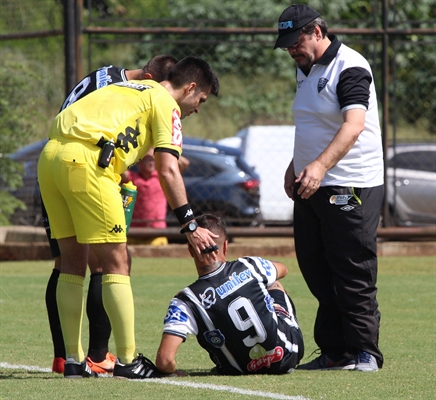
(310, 178)
(202, 240)
(290, 180)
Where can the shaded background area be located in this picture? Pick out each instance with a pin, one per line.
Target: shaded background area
(47, 46)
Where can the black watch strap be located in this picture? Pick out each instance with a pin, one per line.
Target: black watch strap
(191, 227)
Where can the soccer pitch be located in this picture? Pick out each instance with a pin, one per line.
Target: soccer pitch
(407, 297)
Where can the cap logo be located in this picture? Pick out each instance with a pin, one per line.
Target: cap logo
(286, 25)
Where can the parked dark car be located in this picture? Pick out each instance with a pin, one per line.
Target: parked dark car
(217, 180)
(411, 184)
(29, 193)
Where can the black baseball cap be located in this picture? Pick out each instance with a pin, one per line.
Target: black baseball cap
(292, 20)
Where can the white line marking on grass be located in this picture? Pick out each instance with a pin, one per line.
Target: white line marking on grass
(223, 388)
(39, 369)
(207, 386)
(26, 367)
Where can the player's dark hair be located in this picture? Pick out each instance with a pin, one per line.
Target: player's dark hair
(194, 69)
(214, 223)
(310, 27)
(160, 66)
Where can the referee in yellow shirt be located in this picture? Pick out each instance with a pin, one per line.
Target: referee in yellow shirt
(91, 143)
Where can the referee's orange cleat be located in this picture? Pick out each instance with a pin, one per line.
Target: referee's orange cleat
(58, 365)
(103, 367)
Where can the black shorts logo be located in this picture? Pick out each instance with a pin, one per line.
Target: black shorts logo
(117, 229)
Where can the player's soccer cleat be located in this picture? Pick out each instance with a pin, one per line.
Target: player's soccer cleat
(103, 367)
(140, 368)
(58, 365)
(74, 369)
(365, 362)
(330, 362)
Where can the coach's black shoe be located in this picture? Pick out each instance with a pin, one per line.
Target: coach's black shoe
(330, 362)
(74, 369)
(140, 368)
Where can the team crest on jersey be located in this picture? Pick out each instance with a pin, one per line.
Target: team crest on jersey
(175, 314)
(208, 298)
(322, 84)
(176, 139)
(235, 282)
(261, 358)
(215, 338)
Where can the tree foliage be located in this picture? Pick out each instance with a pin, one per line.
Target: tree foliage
(17, 111)
(258, 83)
(246, 59)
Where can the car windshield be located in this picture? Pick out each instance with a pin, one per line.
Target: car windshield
(198, 168)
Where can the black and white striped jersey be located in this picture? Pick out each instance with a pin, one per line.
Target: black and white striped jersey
(234, 318)
(95, 80)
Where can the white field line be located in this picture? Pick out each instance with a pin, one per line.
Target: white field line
(25, 367)
(219, 388)
(222, 388)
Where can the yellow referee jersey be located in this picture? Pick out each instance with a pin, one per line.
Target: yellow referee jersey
(135, 114)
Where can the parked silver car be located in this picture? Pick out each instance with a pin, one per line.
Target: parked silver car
(411, 184)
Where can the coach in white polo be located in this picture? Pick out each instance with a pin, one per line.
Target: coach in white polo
(336, 181)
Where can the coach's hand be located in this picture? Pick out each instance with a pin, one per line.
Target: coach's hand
(202, 241)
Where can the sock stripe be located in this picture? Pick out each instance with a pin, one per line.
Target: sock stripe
(74, 279)
(115, 278)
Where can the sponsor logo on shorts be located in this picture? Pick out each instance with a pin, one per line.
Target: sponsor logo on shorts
(340, 199)
(117, 229)
(235, 282)
(280, 310)
(262, 358)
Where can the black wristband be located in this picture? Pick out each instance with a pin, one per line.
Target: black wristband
(184, 214)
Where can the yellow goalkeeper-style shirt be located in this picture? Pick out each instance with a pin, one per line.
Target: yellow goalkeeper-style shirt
(135, 114)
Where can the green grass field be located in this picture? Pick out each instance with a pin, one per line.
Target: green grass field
(407, 297)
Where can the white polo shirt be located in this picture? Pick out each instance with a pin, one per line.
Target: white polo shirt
(341, 80)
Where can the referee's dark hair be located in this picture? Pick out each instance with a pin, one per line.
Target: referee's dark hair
(194, 69)
(214, 223)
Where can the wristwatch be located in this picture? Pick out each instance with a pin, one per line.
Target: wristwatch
(191, 227)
